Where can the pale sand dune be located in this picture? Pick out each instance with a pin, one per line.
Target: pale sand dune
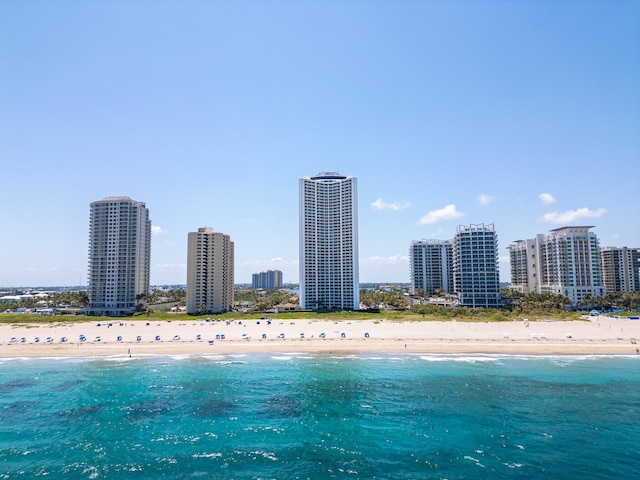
(599, 335)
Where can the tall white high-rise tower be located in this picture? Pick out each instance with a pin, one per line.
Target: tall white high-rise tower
(329, 242)
(119, 256)
(476, 276)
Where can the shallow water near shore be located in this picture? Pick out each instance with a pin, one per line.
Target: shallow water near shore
(290, 416)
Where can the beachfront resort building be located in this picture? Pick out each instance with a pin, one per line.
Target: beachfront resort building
(524, 258)
(431, 266)
(476, 276)
(328, 249)
(209, 272)
(119, 256)
(269, 280)
(620, 269)
(564, 262)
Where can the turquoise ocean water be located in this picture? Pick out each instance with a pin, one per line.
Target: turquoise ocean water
(320, 417)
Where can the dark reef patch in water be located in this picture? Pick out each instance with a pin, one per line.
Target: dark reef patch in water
(81, 412)
(13, 385)
(63, 387)
(150, 409)
(215, 407)
(282, 407)
(17, 409)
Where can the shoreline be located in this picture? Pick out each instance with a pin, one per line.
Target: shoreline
(113, 337)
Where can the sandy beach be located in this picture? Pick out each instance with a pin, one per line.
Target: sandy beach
(595, 336)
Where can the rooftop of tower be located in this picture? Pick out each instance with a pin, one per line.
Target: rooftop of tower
(117, 199)
(122, 198)
(328, 176)
(576, 228)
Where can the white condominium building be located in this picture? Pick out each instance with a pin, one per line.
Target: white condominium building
(119, 256)
(329, 242)
(565, 262)
(431, 266)
(476, 275)
(525, 261)
(620, 269)
(209, 272)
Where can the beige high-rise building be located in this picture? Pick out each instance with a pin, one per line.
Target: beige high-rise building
(209, 272)
(620, 269)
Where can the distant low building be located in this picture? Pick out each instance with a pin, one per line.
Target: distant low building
(269, 280)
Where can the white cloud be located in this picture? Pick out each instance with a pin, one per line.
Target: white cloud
(392, 260)
(157, 229)
(276, 259)
(171, 265)
(380, 204)
(485, 199)
(547, 198)
(445, 213)
(572, 215)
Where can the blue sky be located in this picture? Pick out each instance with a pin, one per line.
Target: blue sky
(523, 114)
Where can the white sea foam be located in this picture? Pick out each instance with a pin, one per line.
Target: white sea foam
(282, 357)
(207, 455)
(462, 358)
